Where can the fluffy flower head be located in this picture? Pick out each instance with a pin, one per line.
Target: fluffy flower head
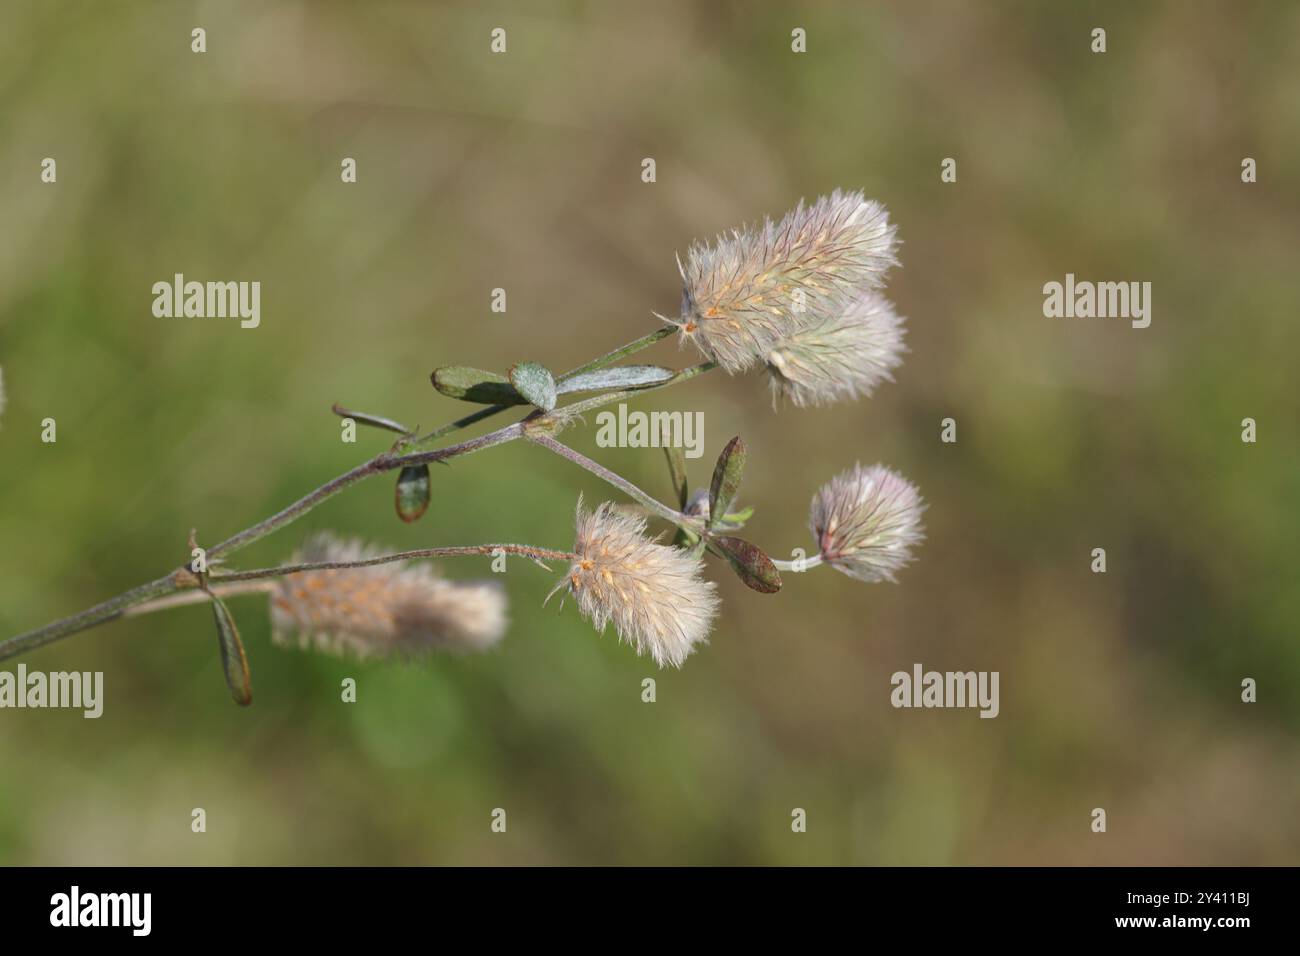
(746, 292)
(840, 355)
(655, 594)
(866, 521)
(382, 610)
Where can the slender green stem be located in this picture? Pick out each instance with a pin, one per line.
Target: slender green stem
(297, 509)
(609, 358)
(619, 482)
(458, 424)
(99, 614)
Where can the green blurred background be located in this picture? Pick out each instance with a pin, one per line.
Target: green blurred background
(522, 171)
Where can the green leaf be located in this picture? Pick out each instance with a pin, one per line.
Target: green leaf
(726, 479)
(412, 495)
(619, 376)
(749, 562)
(233, 660)
(677, 470)
(535, 383)
(736, 519)
(475, 385)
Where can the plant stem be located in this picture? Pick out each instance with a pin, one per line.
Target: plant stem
(99, 614)
(197, 596)
(527, 550)
(619, 482)
(459, 423)
(380, 463)
(803, 564)
(609, 358)
(181, 579)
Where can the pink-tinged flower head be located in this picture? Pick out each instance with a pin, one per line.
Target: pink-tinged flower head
(866, 522)
(840, 355)
(746, 292)
(655, 594)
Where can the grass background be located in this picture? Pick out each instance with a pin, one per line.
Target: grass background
(522, 171)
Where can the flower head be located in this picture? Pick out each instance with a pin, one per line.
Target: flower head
(655, 594)
(747, 292)
(382, 610)
(840, 355)
(866, 522)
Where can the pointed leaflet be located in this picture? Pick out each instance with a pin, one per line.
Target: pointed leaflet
(475, 385)
(749, 562)
(726, 479)
(535, 383)
(619, 376)
(412, 495)
(233, 660)
(676, 468)
(377, 421)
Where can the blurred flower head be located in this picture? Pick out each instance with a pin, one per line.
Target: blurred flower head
(840, 355)
(745, 293)
(382, 610)
(655, 594)
(866, 521)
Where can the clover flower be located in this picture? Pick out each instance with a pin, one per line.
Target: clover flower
(382, 610)
(654, 593)
(745, 293)
(841, 355)
(866, 521)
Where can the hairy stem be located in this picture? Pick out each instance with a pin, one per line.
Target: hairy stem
(99, 614)
(527, 550)
(619, 482)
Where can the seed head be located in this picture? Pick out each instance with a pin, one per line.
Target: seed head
(383, 610)
(747, 292)
(866, 522)
(655, 594)
(840, 355)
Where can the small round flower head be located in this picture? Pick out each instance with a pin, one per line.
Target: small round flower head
(840, 355)
(747, 292)
(655, 594)
(866, 522)
(382, 610)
